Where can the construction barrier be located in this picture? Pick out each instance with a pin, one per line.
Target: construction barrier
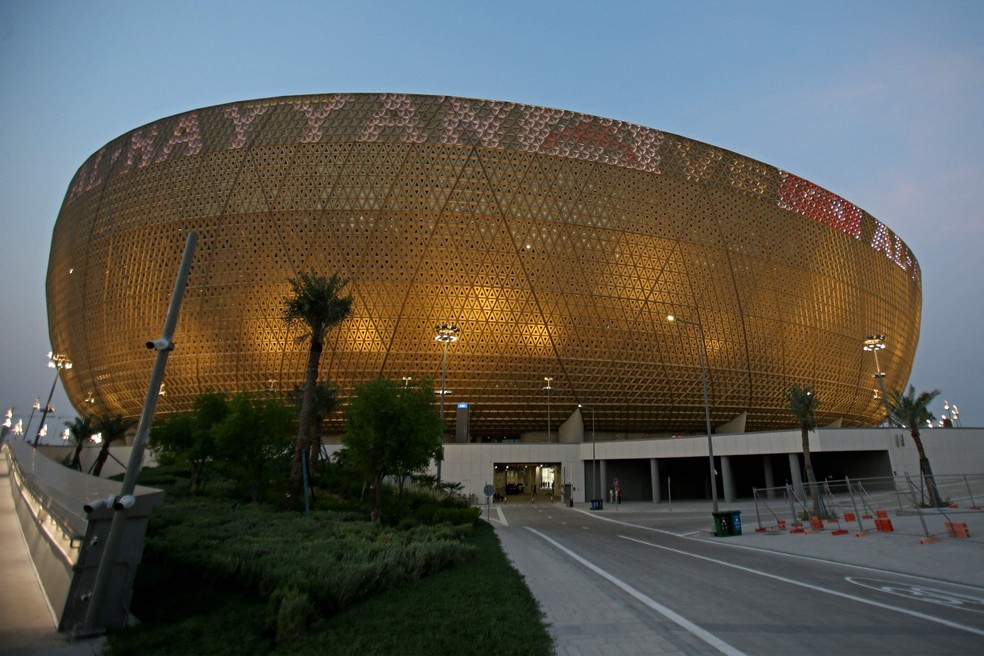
(884, 525)
(957, 530)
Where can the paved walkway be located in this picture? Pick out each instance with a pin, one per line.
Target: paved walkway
(603, 626)
(27, 623)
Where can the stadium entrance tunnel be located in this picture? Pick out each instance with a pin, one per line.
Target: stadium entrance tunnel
(689, 478)
(534, 481)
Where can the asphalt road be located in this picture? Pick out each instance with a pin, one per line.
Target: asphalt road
(648, 583)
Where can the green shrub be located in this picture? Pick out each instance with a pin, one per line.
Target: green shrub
(291, 612)
(457, 515)
(332, 561)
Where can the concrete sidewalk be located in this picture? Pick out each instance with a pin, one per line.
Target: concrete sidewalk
(27, 623)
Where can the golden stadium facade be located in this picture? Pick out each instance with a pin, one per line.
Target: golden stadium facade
(558, 243)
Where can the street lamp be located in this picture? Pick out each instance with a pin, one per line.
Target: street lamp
(19, 428)
(875, 343)
(707, 406)
(34, 408)
(56, 361)
(447, 333)
(548, 389)
(950, 412)
(594, 459)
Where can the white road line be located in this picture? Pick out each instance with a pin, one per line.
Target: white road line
(681, 621)
(816, 588)
(773, 552)
(501, 517)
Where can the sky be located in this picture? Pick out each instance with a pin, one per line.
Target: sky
(879, 102)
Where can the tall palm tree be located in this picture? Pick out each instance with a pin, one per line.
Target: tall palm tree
(803, 403)
(80, 429)
(911, 411)
(325, 403)
(113, 428)
(316, 302)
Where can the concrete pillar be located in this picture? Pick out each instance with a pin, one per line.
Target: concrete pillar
(796, 475)
(654, 477)
(770, 482)
(727, 482)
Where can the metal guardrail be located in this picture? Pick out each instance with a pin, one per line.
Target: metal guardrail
(66, 516)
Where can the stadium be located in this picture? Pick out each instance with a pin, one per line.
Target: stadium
(556, 242)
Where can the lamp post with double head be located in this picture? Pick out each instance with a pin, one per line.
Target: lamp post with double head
(707, 404)
(548, 389)
(446, 333)
(875, 343)
(594, 458)
(56, 361)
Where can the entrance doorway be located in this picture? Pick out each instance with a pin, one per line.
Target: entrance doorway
(528, 479)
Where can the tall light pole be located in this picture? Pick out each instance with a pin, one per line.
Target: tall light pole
(707, 404)
(875, 343)
(447, 333)
(56, 361)
(34, 408)
(548, 389)
(594, 458)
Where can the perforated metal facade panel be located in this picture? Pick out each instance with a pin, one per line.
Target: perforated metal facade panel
(557, 241)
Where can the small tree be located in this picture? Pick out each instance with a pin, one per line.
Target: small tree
(113, 428)
(189, 438)
(316, 302)
(254, 434)
(803, 403)
(390, 430)
(80, 430)
(912, 411)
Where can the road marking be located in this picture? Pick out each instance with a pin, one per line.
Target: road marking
(501, 517)
(816, 588)
(922, 593)
(773, 552)
(679, 620)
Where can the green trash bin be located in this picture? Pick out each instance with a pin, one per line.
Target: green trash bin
(722, 529)
(727, 522)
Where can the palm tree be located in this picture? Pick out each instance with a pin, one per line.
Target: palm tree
(316, 302)
(803, 403)
(911, 411)
(80, 429)
(113, 428)
(325, 403)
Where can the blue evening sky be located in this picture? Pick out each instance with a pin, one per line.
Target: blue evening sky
(880, 102)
